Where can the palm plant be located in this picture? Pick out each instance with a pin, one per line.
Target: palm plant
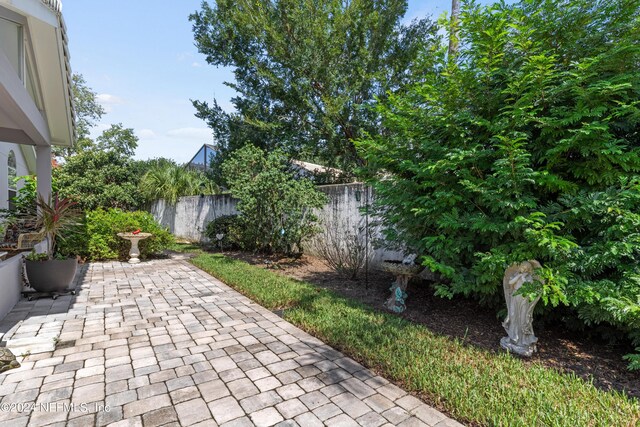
(170, 182)
(55, 218)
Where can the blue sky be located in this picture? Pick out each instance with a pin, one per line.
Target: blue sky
(139, 57)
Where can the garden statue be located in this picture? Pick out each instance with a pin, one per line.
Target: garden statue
(518, 323)
(403, 270)
(219, 237)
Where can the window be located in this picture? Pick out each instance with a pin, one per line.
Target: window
(15, 45)
(12, 175)
(11, 42)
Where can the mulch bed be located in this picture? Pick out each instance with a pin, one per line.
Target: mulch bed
(558, 347)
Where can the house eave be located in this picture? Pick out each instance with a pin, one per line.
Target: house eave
(47, 32)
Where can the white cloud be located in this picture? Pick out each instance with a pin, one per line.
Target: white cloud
(106, 98)
(108, 101)
(199, 134)
(184, 56)
(196, 64)
(146, 134)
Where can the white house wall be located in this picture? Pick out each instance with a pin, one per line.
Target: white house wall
(21, 169)
(10, 284)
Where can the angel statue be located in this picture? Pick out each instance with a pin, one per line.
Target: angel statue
(518, 323)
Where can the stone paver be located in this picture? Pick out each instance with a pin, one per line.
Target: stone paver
(163, 343)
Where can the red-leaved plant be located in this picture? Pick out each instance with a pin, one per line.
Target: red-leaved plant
(54, 219)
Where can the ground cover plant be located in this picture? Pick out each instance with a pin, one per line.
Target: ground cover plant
(523, 146)
(472, 385)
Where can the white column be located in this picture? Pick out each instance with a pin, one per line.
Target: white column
(4, 179)
(43, 171)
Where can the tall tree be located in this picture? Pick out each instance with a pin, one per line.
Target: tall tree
(97, 179)
(306, 71)
(118, 138)
(88, 112)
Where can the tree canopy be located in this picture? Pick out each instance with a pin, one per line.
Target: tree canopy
(168, 181)
(119, 139)
(97, 178)
(306, 71)
(87, 113)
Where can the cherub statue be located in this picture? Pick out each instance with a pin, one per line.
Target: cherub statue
(518, 323)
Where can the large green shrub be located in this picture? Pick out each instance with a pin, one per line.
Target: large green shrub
(97, 238)
(524, 145)
(275, 207)
(230, 226)
(100, 179)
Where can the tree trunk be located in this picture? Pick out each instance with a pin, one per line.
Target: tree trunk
(453, 32)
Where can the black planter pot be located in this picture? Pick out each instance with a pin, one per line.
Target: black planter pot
(51, 276)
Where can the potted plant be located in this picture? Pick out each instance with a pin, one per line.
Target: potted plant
(51, 271)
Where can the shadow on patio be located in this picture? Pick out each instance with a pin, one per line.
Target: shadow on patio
(162, 342)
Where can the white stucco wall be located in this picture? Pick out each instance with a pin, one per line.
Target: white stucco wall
(11, 280)
(345, 212)
(10, 284)
(189, 217)
(21, 166)
(10, 277)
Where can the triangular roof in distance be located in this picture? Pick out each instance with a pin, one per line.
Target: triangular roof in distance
(201, 159)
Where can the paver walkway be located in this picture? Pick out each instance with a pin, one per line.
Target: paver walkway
(163, 343)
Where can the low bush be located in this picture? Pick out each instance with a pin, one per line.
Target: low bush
(473, 385)
(343, 247)
(97, 237)
(230, 227)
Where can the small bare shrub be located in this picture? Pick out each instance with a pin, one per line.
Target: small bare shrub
(343, 247)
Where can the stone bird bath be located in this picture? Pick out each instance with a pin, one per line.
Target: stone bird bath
(134, 238)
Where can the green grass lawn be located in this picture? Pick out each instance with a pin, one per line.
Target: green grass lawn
(472, 385)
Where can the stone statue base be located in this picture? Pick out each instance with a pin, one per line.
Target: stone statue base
(396, 302)
(404, 273)
(512, 347)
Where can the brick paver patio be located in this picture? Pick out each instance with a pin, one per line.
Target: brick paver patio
(163, 343)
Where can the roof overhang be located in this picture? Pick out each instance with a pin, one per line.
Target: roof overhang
(20, 118)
